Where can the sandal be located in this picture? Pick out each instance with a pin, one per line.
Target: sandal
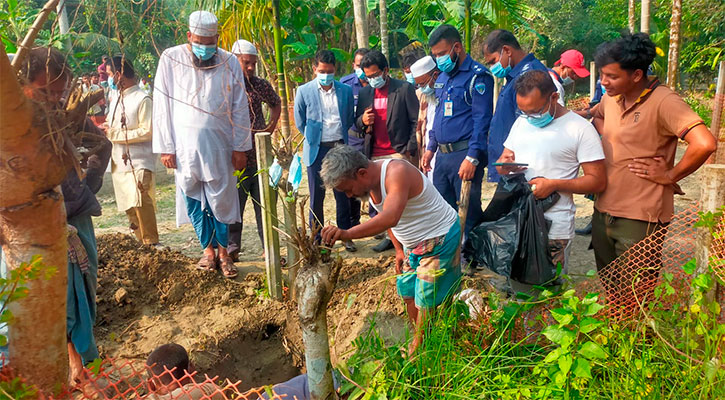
(206, 263)
(228, 269)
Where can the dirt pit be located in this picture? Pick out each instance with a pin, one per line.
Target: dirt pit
(147, 298)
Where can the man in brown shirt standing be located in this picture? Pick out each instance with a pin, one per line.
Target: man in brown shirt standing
(640, 121)
(258, 91)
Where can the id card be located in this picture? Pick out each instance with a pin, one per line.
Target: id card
(448, 108)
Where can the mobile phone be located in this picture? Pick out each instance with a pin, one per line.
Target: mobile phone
(510, 164)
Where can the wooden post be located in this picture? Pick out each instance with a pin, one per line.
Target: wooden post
(269, 223)
(712, 197)
(592, 80)
(496, 91)
(717, 112)
(463, 202)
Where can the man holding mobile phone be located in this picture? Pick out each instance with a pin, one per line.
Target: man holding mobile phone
(554, 142)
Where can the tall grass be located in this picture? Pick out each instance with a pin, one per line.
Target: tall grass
(558, 346)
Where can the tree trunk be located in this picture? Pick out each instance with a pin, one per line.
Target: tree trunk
(384, 27)
(644, 24)
(359, 8)
(33, 222)
(314, 286)
(673, 56)
(632, 16)
(467, 26)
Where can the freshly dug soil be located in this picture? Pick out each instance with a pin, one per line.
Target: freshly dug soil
(147, 298)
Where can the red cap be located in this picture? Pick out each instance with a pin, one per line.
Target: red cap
(574, 60)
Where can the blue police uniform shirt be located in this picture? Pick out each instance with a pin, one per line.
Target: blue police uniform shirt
(507, 112)
(354, 82)
(470, 93)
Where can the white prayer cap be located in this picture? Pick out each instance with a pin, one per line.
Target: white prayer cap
(423, 66)
(203, 23)
(242, 46)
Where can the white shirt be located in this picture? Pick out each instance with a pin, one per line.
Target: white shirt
(426, 216)
(555, 152)
(559, 88)
(331, 122)
(135, 141)
(201, 115)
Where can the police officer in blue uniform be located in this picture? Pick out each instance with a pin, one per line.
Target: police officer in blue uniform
(503, 54)
(464, 90)
(356, 80)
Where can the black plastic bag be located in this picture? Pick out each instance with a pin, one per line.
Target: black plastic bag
(511, 238)
(493, 242)
(532, 262)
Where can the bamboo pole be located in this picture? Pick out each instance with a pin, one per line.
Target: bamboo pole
(715, 126)
(269, 222)
(29, 39)
(592, 80)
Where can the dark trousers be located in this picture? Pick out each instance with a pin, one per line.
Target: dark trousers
(355, 207)
(317, 196)
(247, 185)
(448, 183)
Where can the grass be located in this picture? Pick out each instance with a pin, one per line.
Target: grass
(559, 346)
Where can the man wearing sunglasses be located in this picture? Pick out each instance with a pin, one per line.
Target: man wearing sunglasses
(554, 142)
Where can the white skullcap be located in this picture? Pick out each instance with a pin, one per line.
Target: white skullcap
(203, 23)
(242, 46)
(422, 66)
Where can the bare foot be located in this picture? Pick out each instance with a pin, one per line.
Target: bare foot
(75, 364)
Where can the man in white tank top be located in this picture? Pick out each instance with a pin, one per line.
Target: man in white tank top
(423, 227)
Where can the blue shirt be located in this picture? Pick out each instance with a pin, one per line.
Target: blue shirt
(354, 82)
(470, 90)
(507, 112)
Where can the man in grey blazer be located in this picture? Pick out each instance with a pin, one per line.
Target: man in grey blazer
(324, 114)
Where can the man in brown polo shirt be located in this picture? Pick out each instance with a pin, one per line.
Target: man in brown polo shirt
(640, 121)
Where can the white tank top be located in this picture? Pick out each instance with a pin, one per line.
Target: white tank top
(426, 216)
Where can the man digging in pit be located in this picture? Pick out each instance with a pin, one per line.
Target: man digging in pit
(423, 227)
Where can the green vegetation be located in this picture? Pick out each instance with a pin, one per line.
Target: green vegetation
(669, 353)
(143, 29)
(13, 287)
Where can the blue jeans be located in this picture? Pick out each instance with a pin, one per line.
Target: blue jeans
(448, 183)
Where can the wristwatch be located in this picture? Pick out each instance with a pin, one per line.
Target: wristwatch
(472, 161)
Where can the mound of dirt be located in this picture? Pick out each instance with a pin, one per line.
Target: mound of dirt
(147, 298)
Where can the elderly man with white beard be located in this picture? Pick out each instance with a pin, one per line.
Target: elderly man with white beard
(202, 130)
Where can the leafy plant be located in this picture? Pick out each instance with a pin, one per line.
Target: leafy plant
(13, 287)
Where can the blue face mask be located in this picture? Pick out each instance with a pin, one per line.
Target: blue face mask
(409, 77)
(446, 63)
(567, 81)
(360, 74)
(498, 70)
(540, 121)
(203, 51)
(427, 90)
(377, 82)
(325, 79)
(112, 83)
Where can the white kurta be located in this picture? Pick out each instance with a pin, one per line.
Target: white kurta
(201, 115)
(134, 141)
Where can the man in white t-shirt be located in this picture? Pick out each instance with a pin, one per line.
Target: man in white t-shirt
(554, 142)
